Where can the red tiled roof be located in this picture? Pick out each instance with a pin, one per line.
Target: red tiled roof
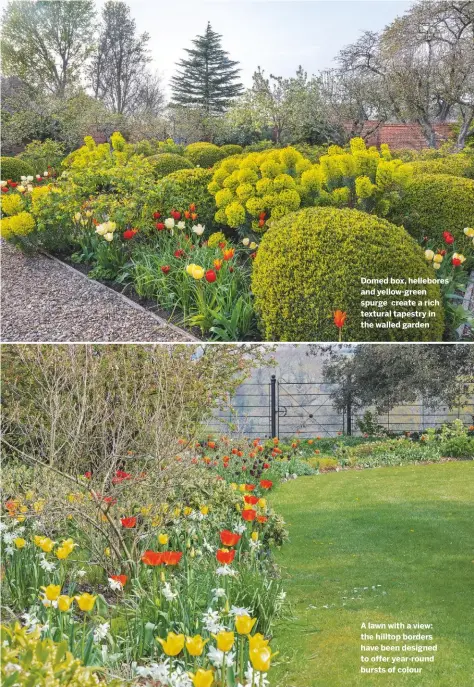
(403, 135)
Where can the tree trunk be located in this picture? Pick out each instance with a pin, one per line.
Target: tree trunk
(464, 130)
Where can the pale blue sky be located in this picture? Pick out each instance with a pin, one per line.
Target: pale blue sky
(277, 35)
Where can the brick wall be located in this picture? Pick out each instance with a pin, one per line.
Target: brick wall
(405, 135)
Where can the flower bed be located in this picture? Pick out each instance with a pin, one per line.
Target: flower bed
(187, 239)
(180, 592)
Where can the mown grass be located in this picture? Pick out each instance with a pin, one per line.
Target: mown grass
(403, 538)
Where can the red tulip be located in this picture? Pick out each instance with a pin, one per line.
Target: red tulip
(175, 215)
(88, 474)
(128, 523)
(261, 215)
(156, 215)
(262, 518)
(224, 556)
(266, 466)
(249, 487)
(11, 183)
(160, 226)
(252, 500)
(211, 276)
(120, 578)
(249, 514)
(229, 538)
(456, 262)
(129, 234)
(194, 216)
(266, 484)
(110, 500)
(192, 207)
(339, 318)
(228, 254)
(187, 214)
(165, 269)
(178, 253)
(5, 189)
(448, 237)
(172, 557)
(152, 558)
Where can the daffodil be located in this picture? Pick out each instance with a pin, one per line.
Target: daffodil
(173, 644)
(195, 645)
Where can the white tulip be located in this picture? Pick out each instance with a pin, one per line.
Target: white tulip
(109, 236)
(169, 223)
(246, 242)
(45, 174)
(181, 225)
(199, 229)
(29, 178)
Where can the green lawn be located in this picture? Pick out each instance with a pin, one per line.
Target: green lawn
(404, 539)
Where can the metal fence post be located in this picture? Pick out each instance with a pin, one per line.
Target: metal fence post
(273, 407)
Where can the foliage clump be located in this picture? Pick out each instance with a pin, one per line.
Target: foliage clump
(254, 191)
(436, 203)
(13, 168)
(309, 265)
(458, 165)
(204, 154)
(166, 163)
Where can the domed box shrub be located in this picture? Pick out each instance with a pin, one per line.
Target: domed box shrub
(166, 163)
(204, 154)
(458, 165)
(231, 149)
(310, 264)
(434, 203)
(13, 168)
(179, 189)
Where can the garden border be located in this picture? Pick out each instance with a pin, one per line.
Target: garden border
(129, 301)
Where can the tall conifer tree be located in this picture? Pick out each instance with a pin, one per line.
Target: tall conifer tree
(207, 79)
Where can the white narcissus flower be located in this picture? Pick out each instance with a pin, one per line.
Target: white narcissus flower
(168, 593)
(169, 223)
(237, 610)
(216, 657)
(199, 229)
(101, 632)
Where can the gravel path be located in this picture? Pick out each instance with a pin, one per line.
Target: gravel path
(43, 300)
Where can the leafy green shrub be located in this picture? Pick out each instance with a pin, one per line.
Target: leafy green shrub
(179, 190)
(13, 168)
(281, 468)
(204, 154)
(29, 661)
(458, 165)
(394, 452)
(458, 447)
(166, 163)
(259, 146)
(310, 263)
(41, 155)
(434, 203)
(231, 149)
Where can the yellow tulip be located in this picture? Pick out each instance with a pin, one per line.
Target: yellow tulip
(438, 258)
(44, 543)
(187, 510)
(64, 603)
(244, 624)
(52, 591)
(107, 551)
(177, 512)
(225, 641)
(254, 536)
(260, 658)
(204, 510)
(234, 486)
(203, 678)
(429, 254)
(23, 509)
(258, 640)
(262, 503)
(163, 539)
(86, 601)
(173, 644)
(195, 645)
(242, 487)
(62, 553)
(19, 542)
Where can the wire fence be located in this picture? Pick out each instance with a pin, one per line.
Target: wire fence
(282, 409)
